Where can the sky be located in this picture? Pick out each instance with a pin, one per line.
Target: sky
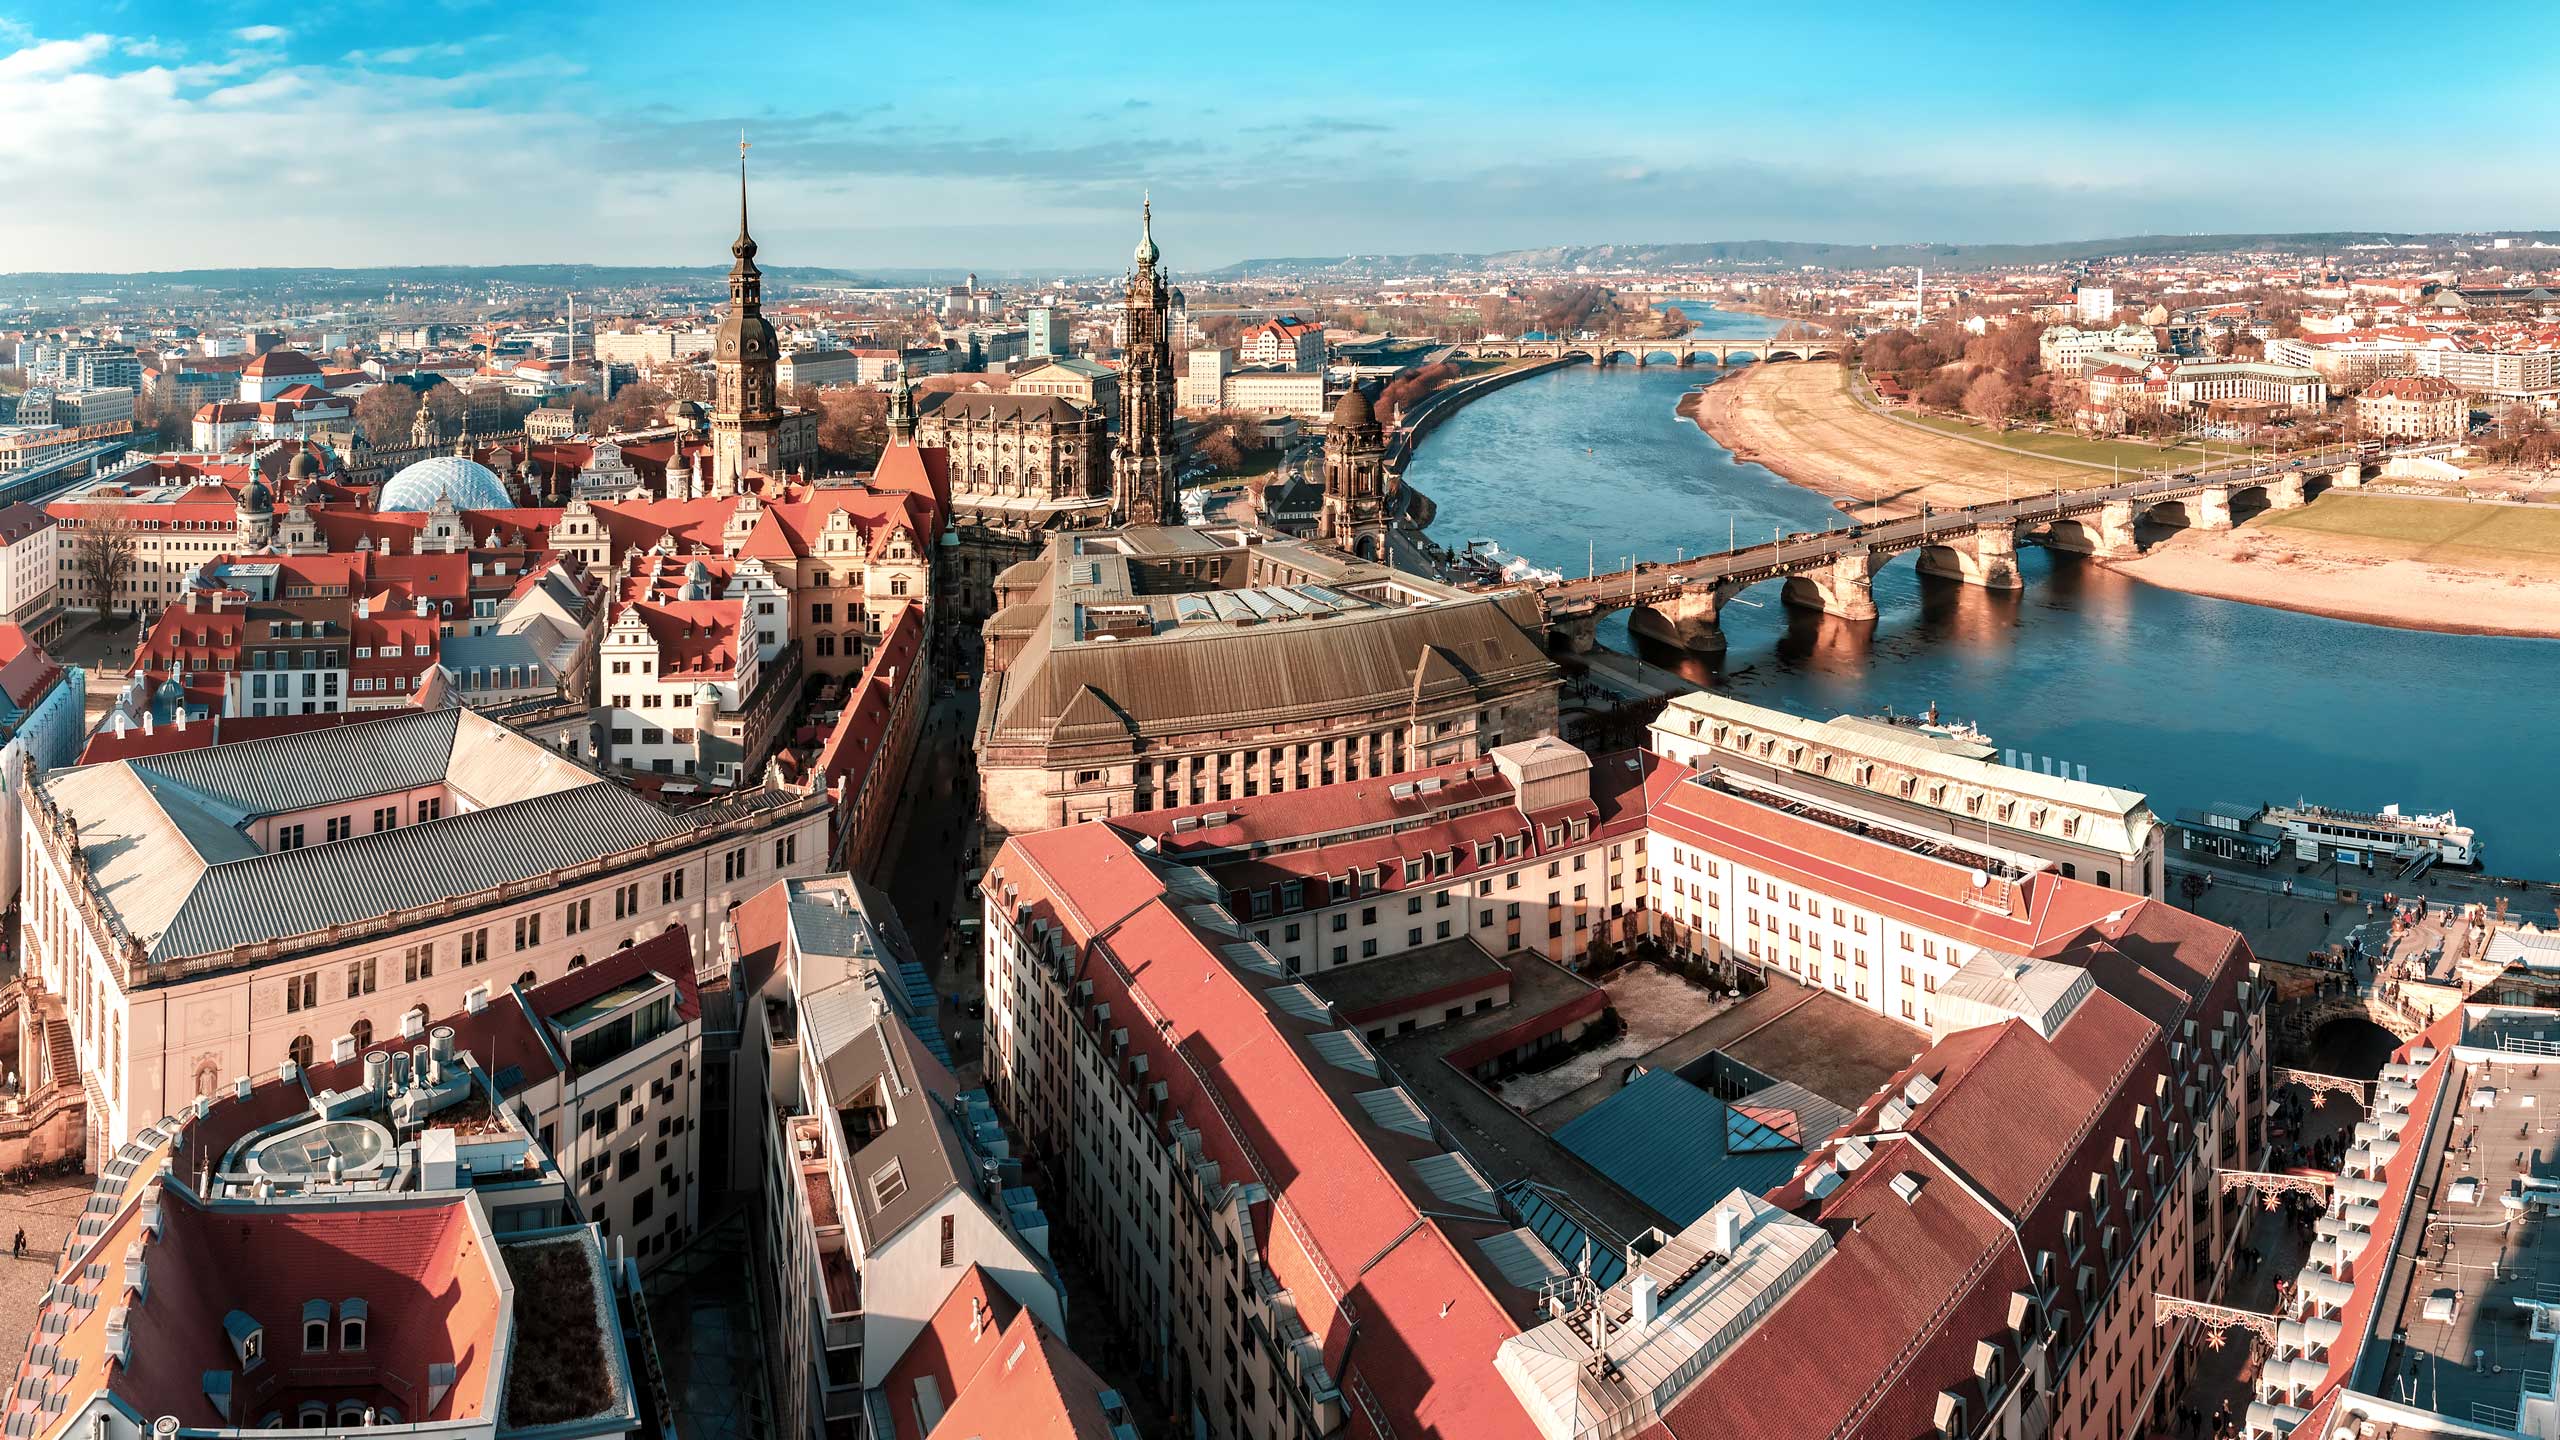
(165, 134)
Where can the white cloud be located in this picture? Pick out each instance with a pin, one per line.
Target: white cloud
(152, 47)
(53, 57)
(263, 34)
(403, 55)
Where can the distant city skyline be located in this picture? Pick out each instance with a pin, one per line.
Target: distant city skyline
(157, 135)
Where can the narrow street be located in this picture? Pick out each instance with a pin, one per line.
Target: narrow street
(926, 862)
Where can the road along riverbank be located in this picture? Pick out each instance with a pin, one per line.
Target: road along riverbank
(2340, 557)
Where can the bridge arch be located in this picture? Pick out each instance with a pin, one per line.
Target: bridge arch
(2177, 514)
(1659, 356)
(2077, 536)
(1740, 357)
(1584, 356)
(2249, 502)
(1612, 357)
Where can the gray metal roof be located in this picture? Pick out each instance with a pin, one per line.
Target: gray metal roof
(170, 847)
(291, 892)
(403, 751)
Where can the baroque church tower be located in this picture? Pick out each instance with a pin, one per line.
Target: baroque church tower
(1355, 479)
(746, 410)
(1144, 468)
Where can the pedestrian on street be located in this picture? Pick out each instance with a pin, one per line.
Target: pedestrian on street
(18, 1246)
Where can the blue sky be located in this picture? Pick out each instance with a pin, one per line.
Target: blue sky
(157, 134)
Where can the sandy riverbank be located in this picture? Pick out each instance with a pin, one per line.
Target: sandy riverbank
(1793, 420)
(2351, 580)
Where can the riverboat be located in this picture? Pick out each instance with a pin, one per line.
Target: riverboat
(2384, 832)
(1931, 724)
(1488, 557)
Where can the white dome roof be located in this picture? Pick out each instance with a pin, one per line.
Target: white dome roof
(472, 485)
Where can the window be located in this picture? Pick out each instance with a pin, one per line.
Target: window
(386, 817)
(418, 963)
(299, 1052)
(626, 901)
(289, 837)
(670, 889)
(301, 992)
(475, 946)
(888, 1183)
(351, 1321)
(528, 931)
(315, 1326)
(950, 1241)
(733, 866)
(786, 850)
(576, 917)
(341, 826)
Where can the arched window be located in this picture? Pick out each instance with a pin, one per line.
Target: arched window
(578, 962)
(299, 1052)
(525, 979)
(362, 1030)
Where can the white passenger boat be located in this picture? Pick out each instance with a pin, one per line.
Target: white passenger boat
(2385, 832)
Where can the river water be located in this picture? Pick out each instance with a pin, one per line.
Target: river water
(2189, 699)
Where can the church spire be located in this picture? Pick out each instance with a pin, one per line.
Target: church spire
(744, 247)
(1147, 232)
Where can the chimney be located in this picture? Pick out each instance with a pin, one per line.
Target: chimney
(1645, 1294)
(191, 600)
(146, 722)
(1726, 1236)
(364, 607)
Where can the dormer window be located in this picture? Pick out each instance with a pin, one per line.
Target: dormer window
(351, 1325)
(315, 1326)
(248, 1338)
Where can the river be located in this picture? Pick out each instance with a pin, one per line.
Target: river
(2192, 700)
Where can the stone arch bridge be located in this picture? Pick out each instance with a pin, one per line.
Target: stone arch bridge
(1683, 353)
(1833, 571)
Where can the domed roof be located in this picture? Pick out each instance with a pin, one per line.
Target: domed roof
(301, 466)
(256, 499)
(472, 485)
(1353, 409)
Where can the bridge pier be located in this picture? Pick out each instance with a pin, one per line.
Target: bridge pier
(1988, 558)
(2212, 508)
(2285, 492)
(2106, 534)
(1575, 634)
(1845, 587)
(2348, 477)
(1691, 621)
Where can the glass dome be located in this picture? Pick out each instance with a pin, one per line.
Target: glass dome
(472, 485)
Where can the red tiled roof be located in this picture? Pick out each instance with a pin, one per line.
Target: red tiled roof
(962, 1335)
(1343, 1231)
(1032, 1387)
(430, 1290)
(696, 638)
(855, 741)
(280, 363)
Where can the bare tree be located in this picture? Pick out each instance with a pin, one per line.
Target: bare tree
(104, 552)
(385, 412)
(1992, 398)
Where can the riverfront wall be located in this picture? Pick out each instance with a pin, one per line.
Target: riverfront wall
(1425, 415)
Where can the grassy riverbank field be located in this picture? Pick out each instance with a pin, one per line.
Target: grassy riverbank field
(2429, 528)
